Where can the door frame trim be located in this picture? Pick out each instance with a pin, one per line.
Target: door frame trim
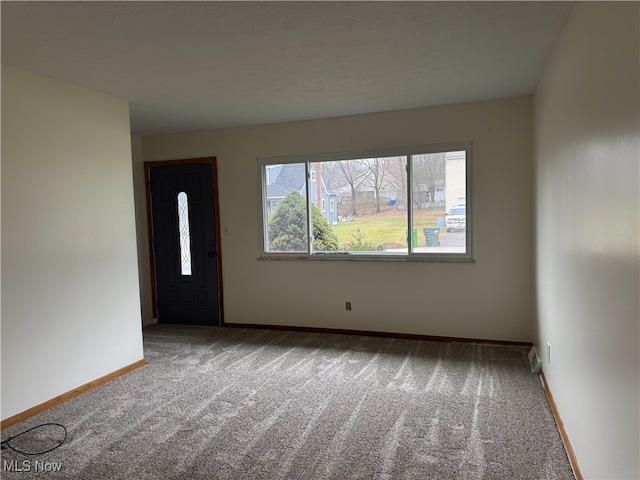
(216, 214)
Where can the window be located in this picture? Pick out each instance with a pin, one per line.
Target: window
(406, 204)
(184, 234)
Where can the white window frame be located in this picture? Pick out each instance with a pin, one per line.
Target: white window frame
(332, 205)
(410, 255)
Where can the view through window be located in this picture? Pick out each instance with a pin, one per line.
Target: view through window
(407, 203)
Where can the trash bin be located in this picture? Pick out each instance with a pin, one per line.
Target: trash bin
(414, 237)
(431, 236)
(440, 222)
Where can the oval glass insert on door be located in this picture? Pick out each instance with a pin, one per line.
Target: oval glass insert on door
(184, 234)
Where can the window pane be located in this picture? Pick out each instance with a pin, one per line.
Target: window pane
(370, 194)
(285, 208)
(184, 234)
(438, 209)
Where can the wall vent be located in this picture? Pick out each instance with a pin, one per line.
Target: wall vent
(534, 360)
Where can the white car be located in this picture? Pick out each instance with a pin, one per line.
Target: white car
(457, 219)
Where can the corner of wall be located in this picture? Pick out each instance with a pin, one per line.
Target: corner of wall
(142, 232)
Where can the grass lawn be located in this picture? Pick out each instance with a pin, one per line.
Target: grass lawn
(387, 228)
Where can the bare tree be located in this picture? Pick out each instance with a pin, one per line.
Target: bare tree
(351, 173)
(377, 176)
(332, 175)
(428, 170)
(399, 173)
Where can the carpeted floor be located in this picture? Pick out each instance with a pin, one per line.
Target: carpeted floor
(225, 403)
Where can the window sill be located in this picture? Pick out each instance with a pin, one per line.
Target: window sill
(359, 257)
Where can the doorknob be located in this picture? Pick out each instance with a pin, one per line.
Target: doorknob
(211, 254)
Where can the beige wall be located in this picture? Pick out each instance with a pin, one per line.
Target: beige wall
(142, 232)
(587, 159)
(70, 302)
(490, 299)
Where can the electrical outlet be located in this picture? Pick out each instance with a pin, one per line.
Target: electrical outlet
(226, 229)
(348, 306)
(549, 352)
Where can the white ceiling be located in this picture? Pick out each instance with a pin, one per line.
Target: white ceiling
(198, 65)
